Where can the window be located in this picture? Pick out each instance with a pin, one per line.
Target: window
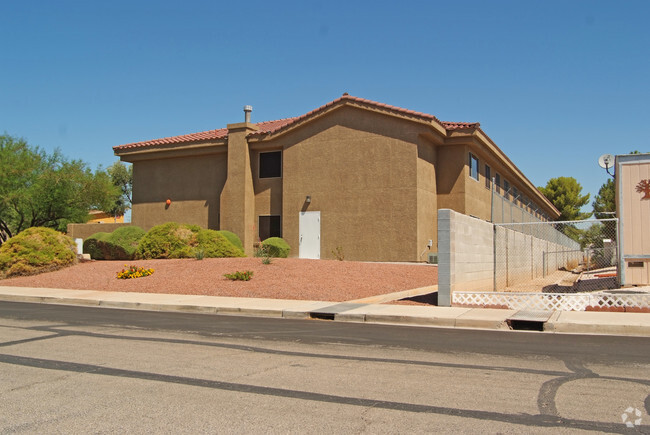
(488, 177)
(473, 166)
(270, 226)
(271, 164)
(506, 189)
(497, 182)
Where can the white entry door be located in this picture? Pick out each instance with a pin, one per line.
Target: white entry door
(309, 230)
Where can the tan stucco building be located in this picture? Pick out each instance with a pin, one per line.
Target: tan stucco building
(101, 217)
(355, 175)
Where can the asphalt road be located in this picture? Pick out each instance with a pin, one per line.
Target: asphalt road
(80, 370)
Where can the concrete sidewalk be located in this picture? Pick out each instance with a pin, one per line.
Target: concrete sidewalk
(448, 317)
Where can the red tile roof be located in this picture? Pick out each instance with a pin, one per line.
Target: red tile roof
(268, 127)
(460, 125)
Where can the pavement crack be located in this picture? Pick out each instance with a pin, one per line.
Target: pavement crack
(32, 384)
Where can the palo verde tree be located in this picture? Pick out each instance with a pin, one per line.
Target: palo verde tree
(48, 190)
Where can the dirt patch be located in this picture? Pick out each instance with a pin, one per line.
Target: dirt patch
(284, 278)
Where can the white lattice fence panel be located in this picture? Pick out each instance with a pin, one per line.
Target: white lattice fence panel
(551, 301)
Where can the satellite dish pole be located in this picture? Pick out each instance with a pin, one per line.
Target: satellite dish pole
(606, 161)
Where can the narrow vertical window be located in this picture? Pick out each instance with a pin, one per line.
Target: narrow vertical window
(473, 166)
(488, 176)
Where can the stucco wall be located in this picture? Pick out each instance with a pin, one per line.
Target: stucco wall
(192, 183)
(268, 191)
(427, 200)
(360, 170)
(477, 196)
(451, 177)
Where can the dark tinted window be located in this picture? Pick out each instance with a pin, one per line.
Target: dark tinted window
(271, 164)
(473, 166)
(270, 226)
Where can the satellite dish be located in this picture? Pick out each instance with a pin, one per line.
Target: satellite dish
(606, 161)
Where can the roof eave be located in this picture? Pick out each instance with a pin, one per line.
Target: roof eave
(194, 146)
(348, 101)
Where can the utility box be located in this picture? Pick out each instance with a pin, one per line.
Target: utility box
(633, 211)
(433, 258)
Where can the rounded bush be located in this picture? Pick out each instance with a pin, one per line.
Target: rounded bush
(92, 246)
(118, 245)
(215, 245)
(232, 238)
(169, 240)
(36, 250)
(277, 247)
(174, 240)
(122, 243)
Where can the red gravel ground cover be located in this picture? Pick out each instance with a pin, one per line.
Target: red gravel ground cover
(284, 278)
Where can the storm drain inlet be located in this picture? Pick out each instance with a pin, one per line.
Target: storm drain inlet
(321, 315)
(529, 320)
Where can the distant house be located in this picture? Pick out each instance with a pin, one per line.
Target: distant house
(100, 217)
(353, 175)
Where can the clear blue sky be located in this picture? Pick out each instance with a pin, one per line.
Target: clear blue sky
(554, 83)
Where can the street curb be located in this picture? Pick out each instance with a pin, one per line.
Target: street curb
(582, 322)
(634, 324)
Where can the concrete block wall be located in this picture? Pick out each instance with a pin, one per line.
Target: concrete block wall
(471, 250)
(465, 254)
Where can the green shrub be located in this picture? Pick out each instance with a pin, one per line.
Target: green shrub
(215, 245)
(232, 238)
(122, 243)
(91, 246)
(174, 240)
(36, 250)
(276, 247)
(118, 245)
(169, 240)
(263, 253)
(239, 276)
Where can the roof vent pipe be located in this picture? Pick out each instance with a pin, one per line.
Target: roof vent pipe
(247, 113)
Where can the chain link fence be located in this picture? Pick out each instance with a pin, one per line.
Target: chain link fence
(555, 256)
